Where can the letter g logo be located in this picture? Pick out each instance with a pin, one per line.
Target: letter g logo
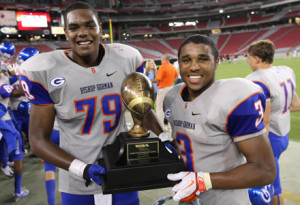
(57, 81)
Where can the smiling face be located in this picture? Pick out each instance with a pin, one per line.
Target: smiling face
(197, 67)
(83, 31)
(151, 65)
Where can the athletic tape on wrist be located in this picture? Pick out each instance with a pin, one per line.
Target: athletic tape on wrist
(207, 180)
(77, 167)
(163, 137)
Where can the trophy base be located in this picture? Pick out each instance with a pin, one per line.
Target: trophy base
(125, 175)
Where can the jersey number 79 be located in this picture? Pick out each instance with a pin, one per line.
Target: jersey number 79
(111, 106)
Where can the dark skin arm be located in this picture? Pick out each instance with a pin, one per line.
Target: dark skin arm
(40, 130)
(151, 123)
(18, 92)
(259, 170)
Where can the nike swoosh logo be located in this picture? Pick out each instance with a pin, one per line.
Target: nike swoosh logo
(110, 74)
(192, 182)
(196, 113)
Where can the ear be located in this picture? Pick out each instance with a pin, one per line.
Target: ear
(257, 60)
(100, 29)
(66, 35)
(217, 62)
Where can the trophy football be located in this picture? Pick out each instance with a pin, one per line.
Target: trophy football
(137, 160)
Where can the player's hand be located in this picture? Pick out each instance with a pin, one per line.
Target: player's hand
(169, 146)
(92, 172)
(191, 185)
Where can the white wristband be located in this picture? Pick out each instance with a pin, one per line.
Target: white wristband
(163, 137)
(207, 180)
(77, 167)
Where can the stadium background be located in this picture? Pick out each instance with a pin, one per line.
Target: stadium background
(155, 27)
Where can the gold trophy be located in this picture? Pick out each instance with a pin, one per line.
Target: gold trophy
(137, 160)
(138, 96)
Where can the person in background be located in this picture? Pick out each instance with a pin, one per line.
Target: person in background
(150, 71)
(165, 78)
(81, 89)
(279, 86)
(50, 169)
(20, 105)
(218, 127)
(179, 79)
(11, 140)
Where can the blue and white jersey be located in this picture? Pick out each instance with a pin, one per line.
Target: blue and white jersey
(88, 104)
(15, 101)
(207, 128)
(279, 84)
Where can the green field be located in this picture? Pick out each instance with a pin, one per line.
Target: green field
(242, 69)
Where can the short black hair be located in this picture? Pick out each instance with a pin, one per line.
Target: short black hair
(79, 5)
(197, 39)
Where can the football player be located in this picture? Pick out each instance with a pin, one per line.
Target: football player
(279, 86)
(81, 87)
(12, 139)
(219, 130)
(20, 105)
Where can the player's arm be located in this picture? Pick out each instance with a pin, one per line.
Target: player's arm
(40, 130)
(7, 90)
(295, 105)
(17, 91)
(259, 170)
(151, 123)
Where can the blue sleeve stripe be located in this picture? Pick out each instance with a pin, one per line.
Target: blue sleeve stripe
(235, 137)
(265, 88)
(36, 92)
(246, 118)
(140, 68)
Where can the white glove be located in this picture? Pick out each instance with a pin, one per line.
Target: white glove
(191, 185)
(164, 137)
